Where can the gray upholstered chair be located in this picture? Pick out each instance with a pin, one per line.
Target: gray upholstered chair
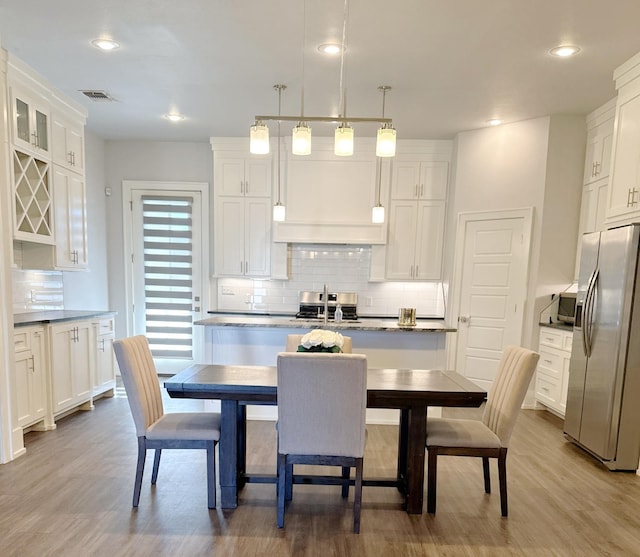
(293, 341)
(488, 438)
(155, 429)
(322, 400)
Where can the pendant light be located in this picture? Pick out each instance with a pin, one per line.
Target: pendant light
(386, 139)
(343, 140)
(259, 138)
(279, 208)
(377, 213)
(343, 146)
(301, 135)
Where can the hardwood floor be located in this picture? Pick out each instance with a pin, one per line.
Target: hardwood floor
(71, 495)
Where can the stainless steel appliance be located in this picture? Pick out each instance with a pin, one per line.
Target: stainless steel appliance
(312, 305)
(603, 401)
(567, 307)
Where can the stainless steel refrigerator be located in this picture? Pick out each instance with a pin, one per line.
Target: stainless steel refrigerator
(603, 401)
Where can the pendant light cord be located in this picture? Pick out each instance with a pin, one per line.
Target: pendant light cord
(342, 93)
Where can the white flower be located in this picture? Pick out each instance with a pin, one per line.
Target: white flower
(320, 337)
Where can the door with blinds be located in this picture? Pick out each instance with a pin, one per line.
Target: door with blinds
(166, 262)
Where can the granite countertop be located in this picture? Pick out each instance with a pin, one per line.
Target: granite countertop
(290, 322)
(561, 326)
(51, 316)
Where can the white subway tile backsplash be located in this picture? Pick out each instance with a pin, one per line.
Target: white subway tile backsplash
(37, 290)
(343, 269)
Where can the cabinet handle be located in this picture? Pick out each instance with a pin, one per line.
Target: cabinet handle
(101, 345)
(70, 157)
(73, 158)
(34, 140)
(548, 362)
(32, 369)
(246, 187)
(421, 190)
(631, 197)
(411, 271)
(597, 168)
(246, 267)
(241, 186)
(416, 192)
(417, 271)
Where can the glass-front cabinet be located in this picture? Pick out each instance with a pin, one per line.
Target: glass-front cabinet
(30, 123)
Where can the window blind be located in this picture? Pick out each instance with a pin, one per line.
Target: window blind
(168, 281)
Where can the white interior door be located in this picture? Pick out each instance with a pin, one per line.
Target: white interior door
(166, 268)
(492, 275)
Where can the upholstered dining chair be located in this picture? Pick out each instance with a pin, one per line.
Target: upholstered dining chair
(155, 429)
(490, 437)
(322, 400)
(293, 341)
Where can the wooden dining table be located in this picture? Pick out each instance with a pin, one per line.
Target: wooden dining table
(412, 391)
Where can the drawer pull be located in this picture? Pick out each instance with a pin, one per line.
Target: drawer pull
(549, 362)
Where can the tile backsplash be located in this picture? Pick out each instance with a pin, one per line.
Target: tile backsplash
(344, 268)
(37, 290)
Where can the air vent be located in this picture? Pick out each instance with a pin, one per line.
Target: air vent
(98, 96)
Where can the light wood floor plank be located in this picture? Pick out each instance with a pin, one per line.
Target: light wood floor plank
(70, 495)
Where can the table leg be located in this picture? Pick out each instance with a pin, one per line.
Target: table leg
(242, 444)
(228, 454)
(416, 449)
(403, 434)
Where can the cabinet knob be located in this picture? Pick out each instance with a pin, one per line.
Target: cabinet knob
(464, 318)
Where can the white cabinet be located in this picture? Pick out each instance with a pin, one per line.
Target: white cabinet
(72, 364)
(624, 191)
(70, 219)
(30, 122)
(416, 220)
(594, 206)
(242, 236)
(29, 386)
(598, 154)
(552, 374)
(242, 176)
(67, 142)
(104, 380)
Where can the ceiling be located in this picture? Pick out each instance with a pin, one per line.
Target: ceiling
(452, 64)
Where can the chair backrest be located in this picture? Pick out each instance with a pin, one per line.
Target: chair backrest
(140, 381)
(322, 401)
(508, 391)
(293, 341)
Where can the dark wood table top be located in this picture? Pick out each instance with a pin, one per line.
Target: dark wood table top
(386, 388)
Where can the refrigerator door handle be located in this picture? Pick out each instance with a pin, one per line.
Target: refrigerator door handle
(587, 329)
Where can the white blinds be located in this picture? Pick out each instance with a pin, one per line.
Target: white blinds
(168, 284)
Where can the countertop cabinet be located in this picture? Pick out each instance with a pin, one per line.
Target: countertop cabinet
(552, 374)
(72, 365)
(416, 220)
(104, 380)
(29, 387)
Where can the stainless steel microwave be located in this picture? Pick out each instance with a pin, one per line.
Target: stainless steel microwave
(567, 307)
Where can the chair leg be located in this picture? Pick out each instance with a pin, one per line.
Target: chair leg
(288, 494)
(211, 475)
(502, 474)
(487, 475)
(432, 474)
(282, 480)
(357, 504)
(156, 466)
(137, 484)
(346, 474)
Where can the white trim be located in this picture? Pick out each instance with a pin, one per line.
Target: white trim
(464, 219)
(202, 188)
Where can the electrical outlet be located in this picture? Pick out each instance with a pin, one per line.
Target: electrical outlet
(369, 301)
(227, 291)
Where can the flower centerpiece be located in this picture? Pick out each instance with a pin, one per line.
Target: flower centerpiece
(320, 340)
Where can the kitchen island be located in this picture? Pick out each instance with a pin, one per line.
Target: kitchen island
(253, 339)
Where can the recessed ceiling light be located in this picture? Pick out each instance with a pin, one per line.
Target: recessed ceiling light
(564, 51)
(330, 48)
(105, 44)
(174, 117)
(494, 122)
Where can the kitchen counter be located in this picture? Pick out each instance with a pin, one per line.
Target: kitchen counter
(52, 316)
(560, 326)
(290, 322)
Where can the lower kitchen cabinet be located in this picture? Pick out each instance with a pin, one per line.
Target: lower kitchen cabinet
(104, 379)
(29, 386)
(552, 374)
(72, 365)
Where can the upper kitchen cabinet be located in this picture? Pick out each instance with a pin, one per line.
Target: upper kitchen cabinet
(71, 220)
(597, 160)
(30, 119)
(329, 198)
(249, 176)
(420, 180)
(67, 137)
(624, 191)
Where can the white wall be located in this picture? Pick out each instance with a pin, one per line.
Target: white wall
(89, 290)
(144, 160)
(535, 163)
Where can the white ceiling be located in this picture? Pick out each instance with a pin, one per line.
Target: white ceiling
(453, 64)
